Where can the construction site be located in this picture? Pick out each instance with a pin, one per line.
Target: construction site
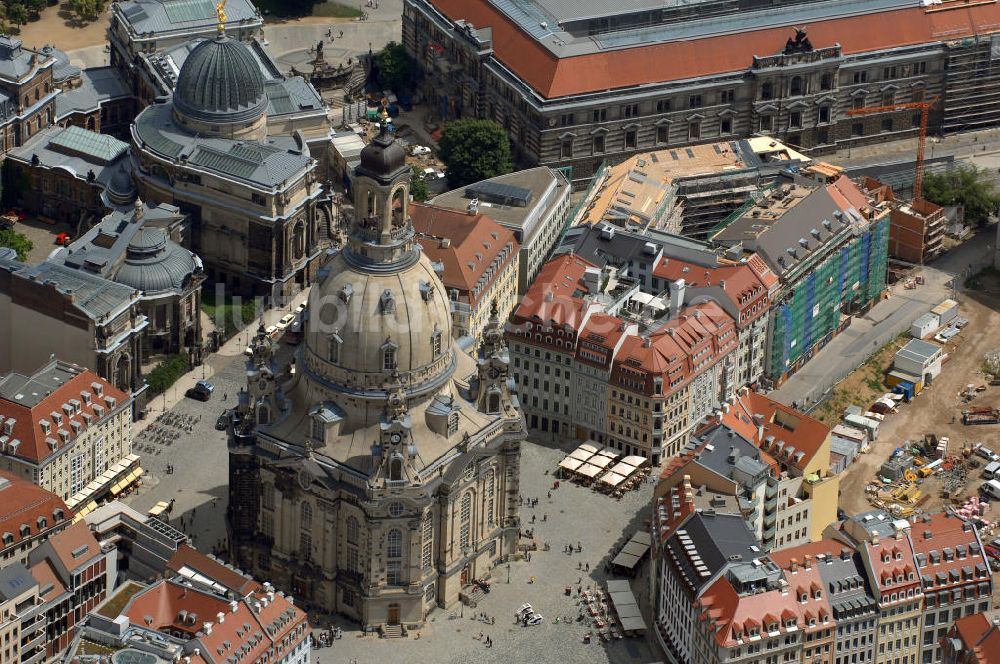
(931, 451)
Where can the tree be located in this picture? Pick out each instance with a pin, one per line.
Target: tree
(474, 150)
(18, 14)
(16, 241)
(967, 186)
(418, 185)
(86, 10)
(396, 68)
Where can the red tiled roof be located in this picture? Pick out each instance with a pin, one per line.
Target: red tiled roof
(980, 637)
(23, 504)
(188, 557)
(603, 331)
(946, 531)
(475, 240)
(557, 293)
(893, 568)
(807, 437)
(75, 547)
(33, 440)
(161, 606)
(673, 61)
(741, 284)
(49, 584)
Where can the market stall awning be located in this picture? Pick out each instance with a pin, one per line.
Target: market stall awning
(622, 597)
(612, 479)
(618, 586)
(608, 452)
(635, 461)
(587, 447)
(118, 488)
(636, 548)
(599, 461)
(623, 469)
(626, 611)
(642, 536)
(588, 470)
(569, 463)
(582, 455)
(626, 560)
(633, 624)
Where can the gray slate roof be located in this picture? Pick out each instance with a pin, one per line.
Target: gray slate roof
(718, 539)
(773, 238)
(170, 15)
(918, 351)
(14, 581)
(132, 252)
(265, 164)
(727, 451)
(220, 81)
(76, 150)
(15, 60)
(92, 295)
(97, 85)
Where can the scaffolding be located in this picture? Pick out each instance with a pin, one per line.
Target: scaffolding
(847, 280)
(972, 83)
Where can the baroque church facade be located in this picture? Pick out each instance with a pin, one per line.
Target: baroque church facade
(378, 475)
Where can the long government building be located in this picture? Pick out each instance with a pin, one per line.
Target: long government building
(581, 83)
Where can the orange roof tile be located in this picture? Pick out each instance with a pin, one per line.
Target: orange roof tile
(556, 295)
(672, 61)
(49, 584)
(980, 637)
(75, 547)
(27, 429)
(188, 557)
(23, 504)
(474, 242)
(783, 423)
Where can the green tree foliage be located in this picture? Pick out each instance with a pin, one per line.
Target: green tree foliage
(396, 68)
(16, 241)
(967, 186)
(86, 10)
(166, 373)
(17, 14)
(418, 186)
(474, 150)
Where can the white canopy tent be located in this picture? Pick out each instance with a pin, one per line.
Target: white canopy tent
(569, 463)
(612, 479)
(587, 470)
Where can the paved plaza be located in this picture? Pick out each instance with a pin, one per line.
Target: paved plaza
(574, 514)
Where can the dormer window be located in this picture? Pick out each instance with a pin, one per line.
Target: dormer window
(318, 432)
(899, 555)
(803, 597)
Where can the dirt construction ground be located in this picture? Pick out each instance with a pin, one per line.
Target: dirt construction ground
(937, 409)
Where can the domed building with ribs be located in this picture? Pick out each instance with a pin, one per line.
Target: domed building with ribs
(250, 195)
(377, 477)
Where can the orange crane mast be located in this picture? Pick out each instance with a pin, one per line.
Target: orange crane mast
(924, 108)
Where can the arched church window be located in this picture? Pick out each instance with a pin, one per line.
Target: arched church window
(466, 520)
(395, 469)
(298, 240)
(493, 404)
(333, 349)
(436, 344)
(388, 359)
(394, 544)
(452, 424)
(306, 515)
(318, 430)
(263, 415)
(352, 530)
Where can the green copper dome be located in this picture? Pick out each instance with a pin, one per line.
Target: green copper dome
(220, 82)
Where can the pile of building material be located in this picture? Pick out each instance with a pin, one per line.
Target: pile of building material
(985, 415)
(954, 476)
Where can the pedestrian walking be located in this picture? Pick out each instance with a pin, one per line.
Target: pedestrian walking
(588, 567)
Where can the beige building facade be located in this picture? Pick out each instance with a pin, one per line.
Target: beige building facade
(62, 427)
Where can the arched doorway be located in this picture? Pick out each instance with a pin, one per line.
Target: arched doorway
(298, 240)
(123, 373)
(393, 614)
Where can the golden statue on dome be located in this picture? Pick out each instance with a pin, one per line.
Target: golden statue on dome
(220, 10)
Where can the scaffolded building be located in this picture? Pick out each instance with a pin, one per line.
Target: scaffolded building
(828, 244)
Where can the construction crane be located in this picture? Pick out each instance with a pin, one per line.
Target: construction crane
(924, 107)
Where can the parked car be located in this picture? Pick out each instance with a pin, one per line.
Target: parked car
(302, 307)
(532, 619)
(991, 489)
(202, 391)
(986, 453)
(271, 331)
(222, 421)
(960, 323)
(63, 239)
(248, 351)
(418, 150)
(285, 321)
(992, 470)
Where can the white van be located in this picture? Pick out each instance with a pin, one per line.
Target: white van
(992, 471)
(991, 489)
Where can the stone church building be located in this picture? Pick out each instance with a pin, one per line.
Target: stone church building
(378, 476)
